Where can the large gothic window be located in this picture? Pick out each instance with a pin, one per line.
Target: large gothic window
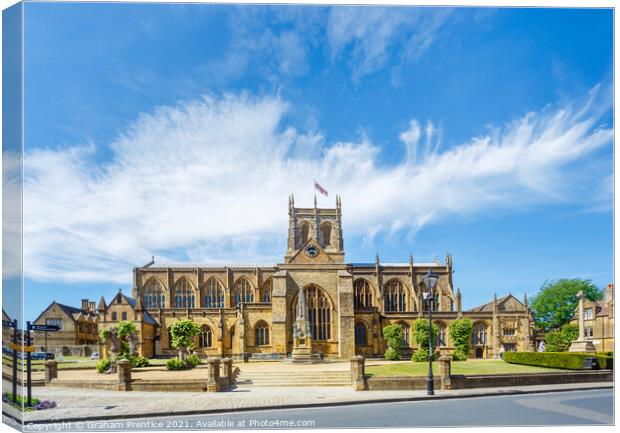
(361, 337)
(184, 294)
(305, 232)
(243, 292)
(395, 296)
(265, 293)
(480, 334)
(261, 334)
(214, 294)
(362, 293)
(206, 337)
(319, 313)
(441, 334)
(326, 233)
(405, 329)
(154, 294)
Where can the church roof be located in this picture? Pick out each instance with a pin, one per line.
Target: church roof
(208, 264)
(506, 303)
(397, 265)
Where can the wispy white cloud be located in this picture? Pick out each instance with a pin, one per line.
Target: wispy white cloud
(208, 180)
(370, 34)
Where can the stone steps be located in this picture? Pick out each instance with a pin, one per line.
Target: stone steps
(272, 378)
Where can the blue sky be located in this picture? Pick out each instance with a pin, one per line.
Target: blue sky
(179, 130)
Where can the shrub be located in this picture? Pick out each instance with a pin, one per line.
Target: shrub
(140, 361)
(553, 342)
(193, 360)
(567, 360)
(103, 365)
(393, 335)
(392, 355)
(568, 334)
(460, 334)
(176, 364)
(420, 337)
(421, 355)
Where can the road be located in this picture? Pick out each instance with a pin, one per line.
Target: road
(553, 409)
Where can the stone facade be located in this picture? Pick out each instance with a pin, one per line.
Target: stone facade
(249, 309)
(78, 329)
(599, 321)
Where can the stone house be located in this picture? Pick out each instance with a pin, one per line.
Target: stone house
(78, 333)
(599, 320)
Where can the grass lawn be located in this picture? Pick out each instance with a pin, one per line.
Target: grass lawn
(491, 366)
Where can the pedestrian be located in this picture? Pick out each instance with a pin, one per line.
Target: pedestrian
(501, 351)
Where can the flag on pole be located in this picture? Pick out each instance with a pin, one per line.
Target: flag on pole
(320, 189)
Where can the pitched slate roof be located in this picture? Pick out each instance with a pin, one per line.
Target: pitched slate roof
(506, 303)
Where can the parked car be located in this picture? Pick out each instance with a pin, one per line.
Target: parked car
(95, 356)
(42, 355)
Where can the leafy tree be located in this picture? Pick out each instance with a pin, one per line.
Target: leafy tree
(560, 341)
(183, 333)
(553, 341)
(569, 333)
(460, 335)
(393, 335)
(420, 338)
(555, 302)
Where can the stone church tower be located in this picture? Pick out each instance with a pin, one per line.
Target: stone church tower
(322, 225)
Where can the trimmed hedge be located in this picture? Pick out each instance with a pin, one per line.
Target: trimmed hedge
(567, 360)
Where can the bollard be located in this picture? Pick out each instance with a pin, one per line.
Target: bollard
(227, 370)
(445, 370)
(51, 370)
(213, 382)
(357, 373)
(123, 368)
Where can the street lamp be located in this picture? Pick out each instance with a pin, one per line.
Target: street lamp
(430, 280)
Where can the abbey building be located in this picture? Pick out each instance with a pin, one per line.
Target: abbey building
(249, 309)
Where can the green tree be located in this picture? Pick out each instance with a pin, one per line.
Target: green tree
(555, 302)
(420, 338)
(183, 333)
(569, 333)
(393, 335)
(460, 335)
(560, 341)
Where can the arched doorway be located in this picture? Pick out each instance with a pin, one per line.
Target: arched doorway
(479, 352)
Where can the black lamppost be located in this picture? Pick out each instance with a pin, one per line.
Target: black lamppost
(430, 280)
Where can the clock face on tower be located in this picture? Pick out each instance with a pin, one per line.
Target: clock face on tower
(312, 251)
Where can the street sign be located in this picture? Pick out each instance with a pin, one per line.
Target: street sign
(42, 328)
(7, 324)
(20, 348)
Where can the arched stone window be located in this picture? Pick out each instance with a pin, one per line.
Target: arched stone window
(441, 334)
(362, 293)
(405, 329)
(395, 296)
(305, 232)
(154, 294)
(184, 294)
(326, 234)
(205, 339)
(361, 334)
(243, 292)
(480, 334)
(319, 313)
(265, 293)
(261, 334)
(170, 338)
(214, 294)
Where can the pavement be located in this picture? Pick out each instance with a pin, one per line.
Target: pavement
(93, 404)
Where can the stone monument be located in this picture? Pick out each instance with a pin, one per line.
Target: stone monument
(302, 333)
(581, 344)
